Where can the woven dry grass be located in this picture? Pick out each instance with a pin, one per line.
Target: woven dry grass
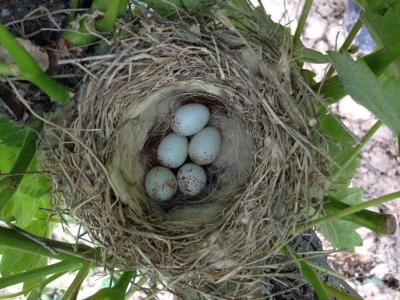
(263, 183)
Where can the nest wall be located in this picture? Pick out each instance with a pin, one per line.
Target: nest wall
(259, 188)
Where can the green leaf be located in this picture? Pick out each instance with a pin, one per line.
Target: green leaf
(168, 7)
(11, 134)
(341, 234)
(32, 193)
(15, 261)
(384, 28)
(340, 144)
(350, 196)
(310, 55)
(10, 184)
(362, 85)
(378, 6)
(34, 294)
(242, 6)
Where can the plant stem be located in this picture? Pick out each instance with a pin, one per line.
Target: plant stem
(381, 224)
(72, 15)
(75, 285)
(352, 34)
(347, 211)
(14, 240)
(82, 37)
(30, 70)
(70, 264)
(302, 21)
(41, 286)
(107, 23)
(21, 164)
(356, 150)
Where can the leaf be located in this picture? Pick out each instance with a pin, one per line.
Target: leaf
(340, 144)
(34, 294)
(361, 84)
(168, 7)
(384, 28)
(15, 262)
(375, 5)
(11, 134)
(310, 55)
(341, 234)
(350, 196)
(242, 6)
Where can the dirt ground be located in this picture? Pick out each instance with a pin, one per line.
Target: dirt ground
(374, 269)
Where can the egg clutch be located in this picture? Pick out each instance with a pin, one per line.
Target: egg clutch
(203, 148)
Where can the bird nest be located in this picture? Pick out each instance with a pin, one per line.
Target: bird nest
(226, 240)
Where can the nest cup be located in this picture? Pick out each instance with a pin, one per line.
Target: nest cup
(260, 185)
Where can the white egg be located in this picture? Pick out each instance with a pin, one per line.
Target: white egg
(190, 119)
(173, 150)
(160, 184)
(191, 179)
(205, 146)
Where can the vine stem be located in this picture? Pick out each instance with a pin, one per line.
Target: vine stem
(347, 211)
(302, 22)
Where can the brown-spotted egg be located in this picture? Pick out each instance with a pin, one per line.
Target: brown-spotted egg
(191, 179)
(173, 150)
(160, 184)
(205, 146)
(190, 119)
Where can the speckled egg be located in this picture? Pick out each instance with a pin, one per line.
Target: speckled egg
(190, 119)
(160, 184)
(173, 150)
(191, 179)
(205, 146)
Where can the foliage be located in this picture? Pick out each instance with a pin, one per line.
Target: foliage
(373, 81)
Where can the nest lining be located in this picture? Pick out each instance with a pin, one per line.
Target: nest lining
(125, 105)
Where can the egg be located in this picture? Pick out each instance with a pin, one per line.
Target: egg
(173, 150)
(160, 184)
(190, 119)
(205, 146)
(191, 179)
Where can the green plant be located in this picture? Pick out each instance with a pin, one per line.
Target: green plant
(373, 81)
